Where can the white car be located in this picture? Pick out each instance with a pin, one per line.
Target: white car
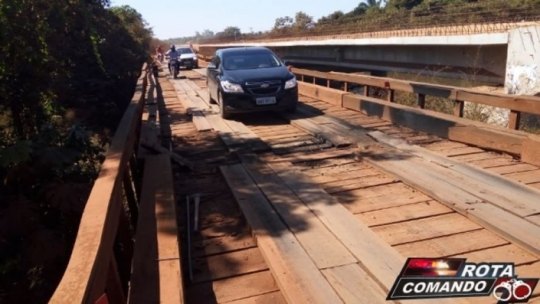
(188, 57)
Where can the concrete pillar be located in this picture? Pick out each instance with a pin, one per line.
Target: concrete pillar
(523, 61)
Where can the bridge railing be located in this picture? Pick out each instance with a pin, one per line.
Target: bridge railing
(516, 104)
(100, 263)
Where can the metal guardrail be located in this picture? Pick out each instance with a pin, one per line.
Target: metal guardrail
(516, 104)
(100, 262)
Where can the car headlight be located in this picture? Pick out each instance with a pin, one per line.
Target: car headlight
(291, 83)
(230, 87)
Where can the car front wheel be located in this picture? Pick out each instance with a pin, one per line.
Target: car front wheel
(222, 111)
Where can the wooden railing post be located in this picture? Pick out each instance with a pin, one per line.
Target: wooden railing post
(421, 100)
(458, 108)
(114, 290)
(390, 95)
(513, 120)
(366, 90)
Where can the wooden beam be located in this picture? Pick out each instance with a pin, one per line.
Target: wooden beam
(440, 124)
(157, 272)
(458, 108)
(306, 227)
(329, 95)
(513, 120)
(530, 150)
(421, 100)
(381, 260)
(527, 104)
(297, 276)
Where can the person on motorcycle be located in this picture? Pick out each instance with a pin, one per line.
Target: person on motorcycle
(173, 55)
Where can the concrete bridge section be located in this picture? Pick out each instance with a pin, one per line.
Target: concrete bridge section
(511, 58)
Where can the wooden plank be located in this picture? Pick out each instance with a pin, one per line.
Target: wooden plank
(475, 156)
(227, 243)
(168, 253)
(427, 228)
(297, 276)
(442, 125)
(486, 138)
(228, 264)
(381, 197)
(352, 174)
(534, 218)
(267, 298)
(535, 185)
(455, 244)
(354, 285)
(329, 95)
(306, 227)
(318, 130)
(518, 167)
(505, 253)
(529, 177)
(383, 262)
(303, 157)
(331, 168)
(403, 213)
(353, 184)
(379, 259)
(231, 289)
(494, 162)
(434, 182)
(528, 104)
(247, 136)
(281, 135)
(156, 260)
(200, 122)
(444, 145)
(511, 196)
(530, 150)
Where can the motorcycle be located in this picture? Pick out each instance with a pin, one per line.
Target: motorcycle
(174, 67)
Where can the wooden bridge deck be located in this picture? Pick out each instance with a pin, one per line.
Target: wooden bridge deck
(319, 206)
(291, 218)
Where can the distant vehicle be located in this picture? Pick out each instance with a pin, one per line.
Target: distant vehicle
(188, 57)
(250, 79)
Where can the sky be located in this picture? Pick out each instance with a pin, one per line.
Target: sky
(182, 18)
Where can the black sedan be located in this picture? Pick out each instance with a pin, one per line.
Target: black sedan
(250, 79)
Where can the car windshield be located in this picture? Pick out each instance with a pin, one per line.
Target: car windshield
(250, 61)
(185, 51)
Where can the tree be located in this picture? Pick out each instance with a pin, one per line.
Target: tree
(302, 21)
(333, 17)
(402, 4)
(67, 71)
(283, 23)
(230, 32)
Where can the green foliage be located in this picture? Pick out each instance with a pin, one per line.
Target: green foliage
(302, 21)
(67, 72)
(230, 32)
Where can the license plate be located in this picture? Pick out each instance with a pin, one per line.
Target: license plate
(265, 101)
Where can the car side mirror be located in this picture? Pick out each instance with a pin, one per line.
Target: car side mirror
(211, 66)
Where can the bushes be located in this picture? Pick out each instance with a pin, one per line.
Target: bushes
(67, 72)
